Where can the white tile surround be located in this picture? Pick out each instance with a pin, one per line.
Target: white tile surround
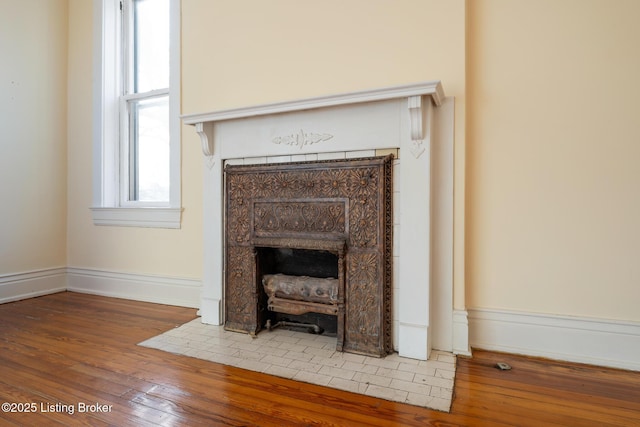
(415, 121)
(313, 359)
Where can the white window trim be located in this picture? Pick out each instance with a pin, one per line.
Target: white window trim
(107, 208)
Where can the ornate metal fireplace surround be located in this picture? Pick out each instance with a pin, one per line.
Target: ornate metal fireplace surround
(341, 207)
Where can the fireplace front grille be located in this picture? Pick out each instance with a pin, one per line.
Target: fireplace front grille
(336, 217)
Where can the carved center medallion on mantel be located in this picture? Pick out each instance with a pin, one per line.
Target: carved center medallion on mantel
(302, 139)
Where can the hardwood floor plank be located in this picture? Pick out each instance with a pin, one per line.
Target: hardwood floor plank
(532, 407)
(72, 348)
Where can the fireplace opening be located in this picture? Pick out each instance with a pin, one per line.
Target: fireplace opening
(298, 262)
(291, 275)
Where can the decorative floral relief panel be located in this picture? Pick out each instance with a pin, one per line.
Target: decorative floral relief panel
(340, 199)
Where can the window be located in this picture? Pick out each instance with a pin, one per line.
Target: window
(136, 113)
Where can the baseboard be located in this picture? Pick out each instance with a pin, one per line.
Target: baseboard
(18, 286)
(140, 287)
(577, 339)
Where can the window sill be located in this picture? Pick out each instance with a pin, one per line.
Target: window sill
(137, 217)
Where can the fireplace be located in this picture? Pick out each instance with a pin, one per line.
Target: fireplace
(415, 124)
(312, 237)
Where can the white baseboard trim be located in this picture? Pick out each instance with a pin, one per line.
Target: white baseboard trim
(18, 286)
(461, 333)
(577, 339)
(140, 287)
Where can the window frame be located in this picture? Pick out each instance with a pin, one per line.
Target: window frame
(110, 205)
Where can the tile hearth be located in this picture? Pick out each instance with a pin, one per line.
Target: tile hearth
(313, 359)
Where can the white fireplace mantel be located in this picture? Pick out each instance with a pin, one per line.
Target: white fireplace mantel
(414, 120)
(414, 92)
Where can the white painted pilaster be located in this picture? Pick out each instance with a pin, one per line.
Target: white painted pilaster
(211, 309)
(415, 232)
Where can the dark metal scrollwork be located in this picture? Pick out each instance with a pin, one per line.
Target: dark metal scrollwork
(346, 199)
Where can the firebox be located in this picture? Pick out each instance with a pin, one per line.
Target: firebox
(310, 242)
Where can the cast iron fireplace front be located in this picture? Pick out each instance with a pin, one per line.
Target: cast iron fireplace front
(339, 209)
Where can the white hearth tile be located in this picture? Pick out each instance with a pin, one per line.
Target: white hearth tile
(395, 357)
(361, 153)
(245, 346)
(349, 357)
(348, 385)
(255, 160)
(220, 358)
(331, 156)
(306, 357)
(436, 364)
(276, 360)
(410, 386)
(317, 338)
(446, 374)
(342, 373)
(278, 159)
(372, 379)
(304, 366)
(280, 371)
(416, 369)
(249, 355)
(286, 338)
(277, 346)
(439, 403)
(322, 352)
(192, 352)
(251, 365)
(383, 363)
(386, 393)
(314, 359)
(330, 346)
(433, 381)
(445, 357)
(227, 351)
(418, 399)
(395, 374)
(440, 392)
(291, 347)
(429, 401)
(310, 377)
(319, 345)
(328, 361)
(360, 367)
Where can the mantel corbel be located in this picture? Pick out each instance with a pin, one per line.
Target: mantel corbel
(417, 128)
(205, 132)
(415, 115)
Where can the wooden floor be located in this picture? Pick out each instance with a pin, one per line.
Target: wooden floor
(64, 352)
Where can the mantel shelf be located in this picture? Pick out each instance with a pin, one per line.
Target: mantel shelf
(429, 88)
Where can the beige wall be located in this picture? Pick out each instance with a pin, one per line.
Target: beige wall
(239, 53)
(33, 80)
(553, 143)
